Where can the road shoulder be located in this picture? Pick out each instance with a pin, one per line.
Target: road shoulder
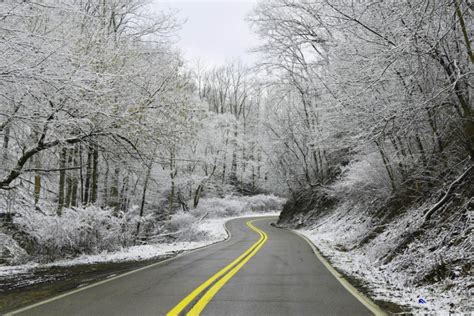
(366, 301)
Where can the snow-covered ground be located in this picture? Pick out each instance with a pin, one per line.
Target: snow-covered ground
(213, 229)
(336, 236)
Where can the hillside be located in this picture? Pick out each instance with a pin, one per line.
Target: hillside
(393, 249)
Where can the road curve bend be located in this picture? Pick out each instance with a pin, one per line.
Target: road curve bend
(261, 270)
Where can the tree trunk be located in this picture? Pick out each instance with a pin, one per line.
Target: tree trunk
(200, 188)
(69, 182)
(105, 197)
(37, 187)
(6, 140)
(87, 184)
(419, 144)
(436, 135)
(62, 177)
(401, 166)
(124, 193)
(197, 195)
(386, 164)
(81, 174)
(114, 201)
(142, 204)
(253, 178)
(233, 167)
(75, 180)
(173, 173)
(464, 31)
(467, 114)
(95, 173)
(321, 163)
(225, 157)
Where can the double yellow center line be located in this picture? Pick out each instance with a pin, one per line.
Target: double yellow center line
(209, 288)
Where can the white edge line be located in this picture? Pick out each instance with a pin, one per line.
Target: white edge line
(14, 312)
(367, 302)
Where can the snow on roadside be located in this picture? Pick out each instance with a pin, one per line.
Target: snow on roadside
(335, 236)
(213, 228)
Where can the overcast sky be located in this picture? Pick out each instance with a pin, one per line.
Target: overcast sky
(215, 31)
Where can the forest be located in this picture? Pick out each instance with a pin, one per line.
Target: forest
(357, 117)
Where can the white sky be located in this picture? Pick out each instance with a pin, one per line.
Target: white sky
(215, 31)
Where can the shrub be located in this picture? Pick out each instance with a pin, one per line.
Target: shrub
(88, 230)
(10, 251)
(362, 179)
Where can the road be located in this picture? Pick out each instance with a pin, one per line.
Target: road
(260, 270)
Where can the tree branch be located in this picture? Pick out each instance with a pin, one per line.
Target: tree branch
(445, 198)
(40, 146)
(51, 170)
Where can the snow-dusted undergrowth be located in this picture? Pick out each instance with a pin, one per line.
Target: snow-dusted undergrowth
(399, 276)
(93, 226)
(213, 229)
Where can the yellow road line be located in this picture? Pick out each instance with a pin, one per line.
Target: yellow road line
(201, 304)
(230, 267)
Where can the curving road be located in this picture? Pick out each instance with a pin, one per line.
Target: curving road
(260, 270)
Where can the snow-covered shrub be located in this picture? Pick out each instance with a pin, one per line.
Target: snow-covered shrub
(180, 221)
(264, 203)
(88, 230)
(219, 207)
(184, 227)
(10, 252)
(363, 178)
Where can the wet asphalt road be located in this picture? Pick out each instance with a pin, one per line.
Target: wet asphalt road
(283, 278)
